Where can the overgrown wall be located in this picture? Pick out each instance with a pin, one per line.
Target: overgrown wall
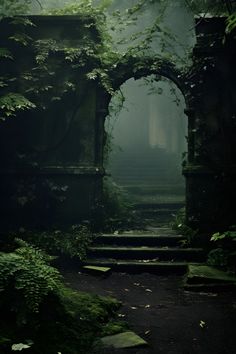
(52, 158)
(49, 169)
(211, 166)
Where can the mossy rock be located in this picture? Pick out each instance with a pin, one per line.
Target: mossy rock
(124, 340)
(204, 274)
(96, 270)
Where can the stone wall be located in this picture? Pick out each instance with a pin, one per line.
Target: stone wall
(52, 160)
(50, 173)
(210, 170)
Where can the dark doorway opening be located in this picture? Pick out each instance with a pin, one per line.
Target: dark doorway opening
(147, 143)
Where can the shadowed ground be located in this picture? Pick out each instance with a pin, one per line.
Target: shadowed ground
(171, 320)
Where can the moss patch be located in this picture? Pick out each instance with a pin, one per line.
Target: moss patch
(206, 274)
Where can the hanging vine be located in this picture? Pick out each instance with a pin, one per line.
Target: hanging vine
(43, 84)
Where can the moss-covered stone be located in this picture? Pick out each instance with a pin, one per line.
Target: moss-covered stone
(97, 270)
(200, 274)
(124, 340)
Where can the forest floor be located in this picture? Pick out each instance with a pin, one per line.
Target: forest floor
(170, 319)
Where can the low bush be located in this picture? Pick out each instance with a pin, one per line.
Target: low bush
(224, 255)
(40, 314)
(72, 242)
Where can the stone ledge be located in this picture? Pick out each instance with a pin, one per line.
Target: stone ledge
(56, 170)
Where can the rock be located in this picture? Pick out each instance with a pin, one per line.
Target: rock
(202, 278)
(207, 274)
(97, 270)
(123, 340)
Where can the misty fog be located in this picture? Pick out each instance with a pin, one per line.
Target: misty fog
(148, 139)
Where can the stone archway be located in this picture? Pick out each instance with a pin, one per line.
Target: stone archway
(148, 142)
(210, 108)
(138, 68)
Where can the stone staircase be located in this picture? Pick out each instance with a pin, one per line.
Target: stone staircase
(156, 214)
(152, 183)
(148, 175)
(159, 251)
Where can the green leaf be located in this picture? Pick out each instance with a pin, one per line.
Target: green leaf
(231, 23)
(5, 53)
(21, 38)
(3, 82)
(22, 21)
(13, 102)
(216, 236)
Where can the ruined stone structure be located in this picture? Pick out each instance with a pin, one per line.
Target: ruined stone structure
(52, 162)
(51, 172)
(210, 169)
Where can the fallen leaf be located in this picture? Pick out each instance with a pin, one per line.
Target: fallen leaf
(148, 290)
(202, 324)
(19, 347)
(147, 332)
(147, 306)
(133, 307)
(126, 290)
(121, 315)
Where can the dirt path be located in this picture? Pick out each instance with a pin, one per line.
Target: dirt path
(165, 315)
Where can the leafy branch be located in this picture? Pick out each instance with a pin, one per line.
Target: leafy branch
(12, 102)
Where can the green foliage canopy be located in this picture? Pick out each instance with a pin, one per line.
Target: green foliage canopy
(118, 25)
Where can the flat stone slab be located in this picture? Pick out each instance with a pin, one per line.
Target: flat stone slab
(123, 340)
(203, 274)
(97, 269)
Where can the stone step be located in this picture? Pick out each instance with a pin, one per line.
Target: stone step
(158, 206)
(138, 266)
(140, 173)
(140, 162)
(160, 231)
(144, 186)
(147, 253)
(139, 240)
(133, 180)
(208, 278)
(155, 185)
(127, 163)
(157, 213)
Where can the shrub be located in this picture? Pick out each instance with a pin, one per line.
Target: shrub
(73, 242)
(27, 270)
(217, 257)
(39, 313)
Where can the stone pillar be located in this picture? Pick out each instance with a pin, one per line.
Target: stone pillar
(210, 169)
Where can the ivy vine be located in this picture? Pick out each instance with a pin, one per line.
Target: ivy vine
(43, 84)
